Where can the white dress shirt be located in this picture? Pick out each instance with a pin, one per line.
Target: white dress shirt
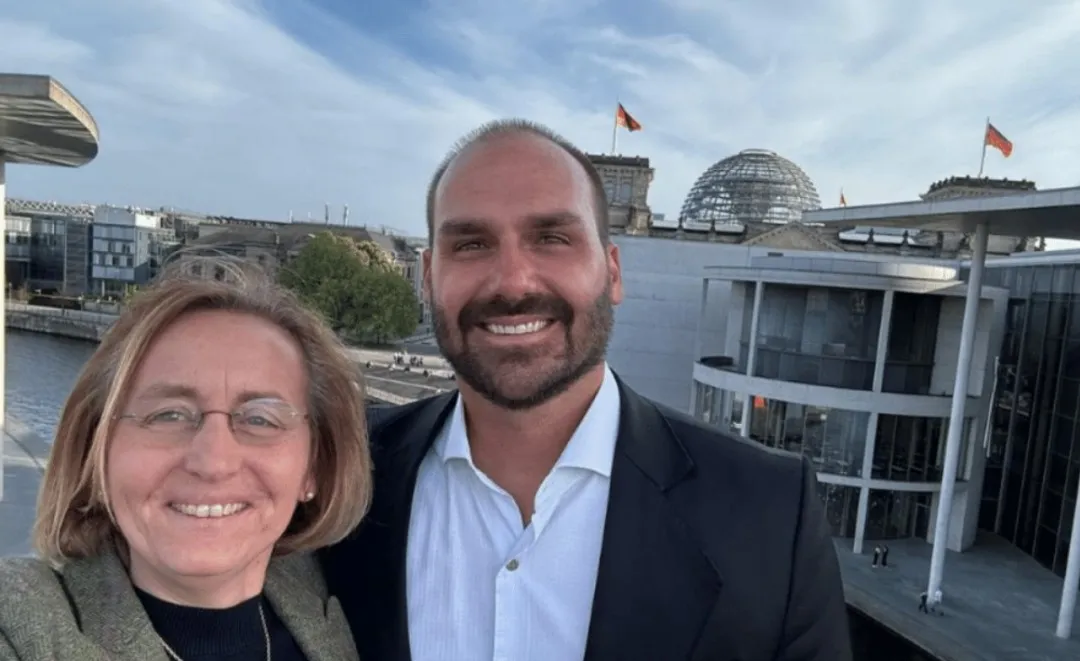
(483, 587)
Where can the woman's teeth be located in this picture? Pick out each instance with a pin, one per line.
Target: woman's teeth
(215, 511)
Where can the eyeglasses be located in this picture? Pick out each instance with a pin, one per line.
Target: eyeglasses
(264, 420)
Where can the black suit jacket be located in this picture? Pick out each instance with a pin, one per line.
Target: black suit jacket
(715, 548)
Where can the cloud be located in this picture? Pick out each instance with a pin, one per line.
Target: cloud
(261, 108)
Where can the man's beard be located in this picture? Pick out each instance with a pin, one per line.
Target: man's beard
(585, 347)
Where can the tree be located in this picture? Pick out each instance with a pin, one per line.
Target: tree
(355, 286)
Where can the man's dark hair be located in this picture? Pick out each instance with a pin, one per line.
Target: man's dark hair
(502, 127)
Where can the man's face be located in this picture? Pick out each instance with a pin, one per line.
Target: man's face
(521, 286)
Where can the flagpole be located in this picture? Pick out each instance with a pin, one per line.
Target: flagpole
(615, 130)
(982, 159)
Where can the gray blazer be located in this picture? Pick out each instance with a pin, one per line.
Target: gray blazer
(88, 611)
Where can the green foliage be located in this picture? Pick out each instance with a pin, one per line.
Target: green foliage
(356, 286)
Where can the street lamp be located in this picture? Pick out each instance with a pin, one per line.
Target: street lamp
(41, 123)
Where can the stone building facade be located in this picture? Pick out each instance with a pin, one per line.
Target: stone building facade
(627, 180)
(626, 183)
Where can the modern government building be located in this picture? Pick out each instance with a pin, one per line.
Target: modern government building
(840, 341)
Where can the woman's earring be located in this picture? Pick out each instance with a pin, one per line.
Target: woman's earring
(309, 496)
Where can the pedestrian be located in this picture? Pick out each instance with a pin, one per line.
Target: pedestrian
(922, 603)
(626, 551)
(885, 556)
(877, 556)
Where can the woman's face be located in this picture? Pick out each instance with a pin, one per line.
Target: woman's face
(202, 505)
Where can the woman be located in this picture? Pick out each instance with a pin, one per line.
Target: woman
(215, 436)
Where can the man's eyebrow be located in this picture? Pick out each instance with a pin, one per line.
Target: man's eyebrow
(554, 220)
(462, 227)
(538, 221)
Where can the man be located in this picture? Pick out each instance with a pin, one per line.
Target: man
(547, 512)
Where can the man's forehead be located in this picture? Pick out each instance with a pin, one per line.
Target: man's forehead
(522, 151)
(525, 179)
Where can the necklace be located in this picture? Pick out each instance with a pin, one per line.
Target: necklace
(266, 638)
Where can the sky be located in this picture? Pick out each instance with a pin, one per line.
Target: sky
(266, 108)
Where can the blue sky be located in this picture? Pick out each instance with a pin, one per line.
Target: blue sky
(261, 107)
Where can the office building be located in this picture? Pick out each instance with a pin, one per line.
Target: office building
(47, 247)
(128, 248)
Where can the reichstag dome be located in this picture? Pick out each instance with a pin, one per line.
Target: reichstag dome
(753, 186)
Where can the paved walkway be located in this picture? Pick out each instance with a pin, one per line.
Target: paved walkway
(998, 603)
(24, 458)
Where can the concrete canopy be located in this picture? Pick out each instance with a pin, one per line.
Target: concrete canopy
(41, 123)
(1051, 213)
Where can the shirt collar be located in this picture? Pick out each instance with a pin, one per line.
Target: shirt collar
(591, 447)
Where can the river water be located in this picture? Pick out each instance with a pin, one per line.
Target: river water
(39, 374)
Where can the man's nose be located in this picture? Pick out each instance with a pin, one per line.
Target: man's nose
(515, 273)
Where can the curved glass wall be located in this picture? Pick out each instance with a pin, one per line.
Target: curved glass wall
(832, 439)
(841, 507)
(719, 408)
(889, 514)
(910, 449)
(909, 362)
(906, 449)
(814, 335)
(897, 514)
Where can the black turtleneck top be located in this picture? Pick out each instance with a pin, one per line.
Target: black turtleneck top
(221, 634)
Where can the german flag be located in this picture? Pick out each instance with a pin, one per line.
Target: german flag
(626, 120)
(994, 138)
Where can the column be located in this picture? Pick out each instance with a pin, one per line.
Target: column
(3, 315)
(1067, 611)
(751, 354)
(698, 342)
(954, 438)
(880, 355)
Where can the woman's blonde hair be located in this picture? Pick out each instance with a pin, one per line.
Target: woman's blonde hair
(74, 517)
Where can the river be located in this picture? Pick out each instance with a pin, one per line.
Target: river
(39, 374)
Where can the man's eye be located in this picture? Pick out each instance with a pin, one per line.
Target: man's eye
(554, 238)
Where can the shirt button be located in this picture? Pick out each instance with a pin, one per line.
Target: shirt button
(512, 565)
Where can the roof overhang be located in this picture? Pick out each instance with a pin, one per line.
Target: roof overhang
(1049, 213)
(41, 123)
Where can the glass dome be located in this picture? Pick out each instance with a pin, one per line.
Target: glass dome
(755, 185)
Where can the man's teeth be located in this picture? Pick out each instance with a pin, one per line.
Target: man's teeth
(209, 511)
(517, 329)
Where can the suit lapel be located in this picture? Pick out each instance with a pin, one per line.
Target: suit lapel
(109, 611)
(316, 623)
(655, 587)
(402, 445)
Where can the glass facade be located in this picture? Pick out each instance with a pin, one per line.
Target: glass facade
(906, 450)
(1033, 464)
(832, 439)
(48, 248)
(818, 336)
(909, 362)
(909, 449)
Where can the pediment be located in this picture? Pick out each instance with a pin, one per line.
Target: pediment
(794, 236)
